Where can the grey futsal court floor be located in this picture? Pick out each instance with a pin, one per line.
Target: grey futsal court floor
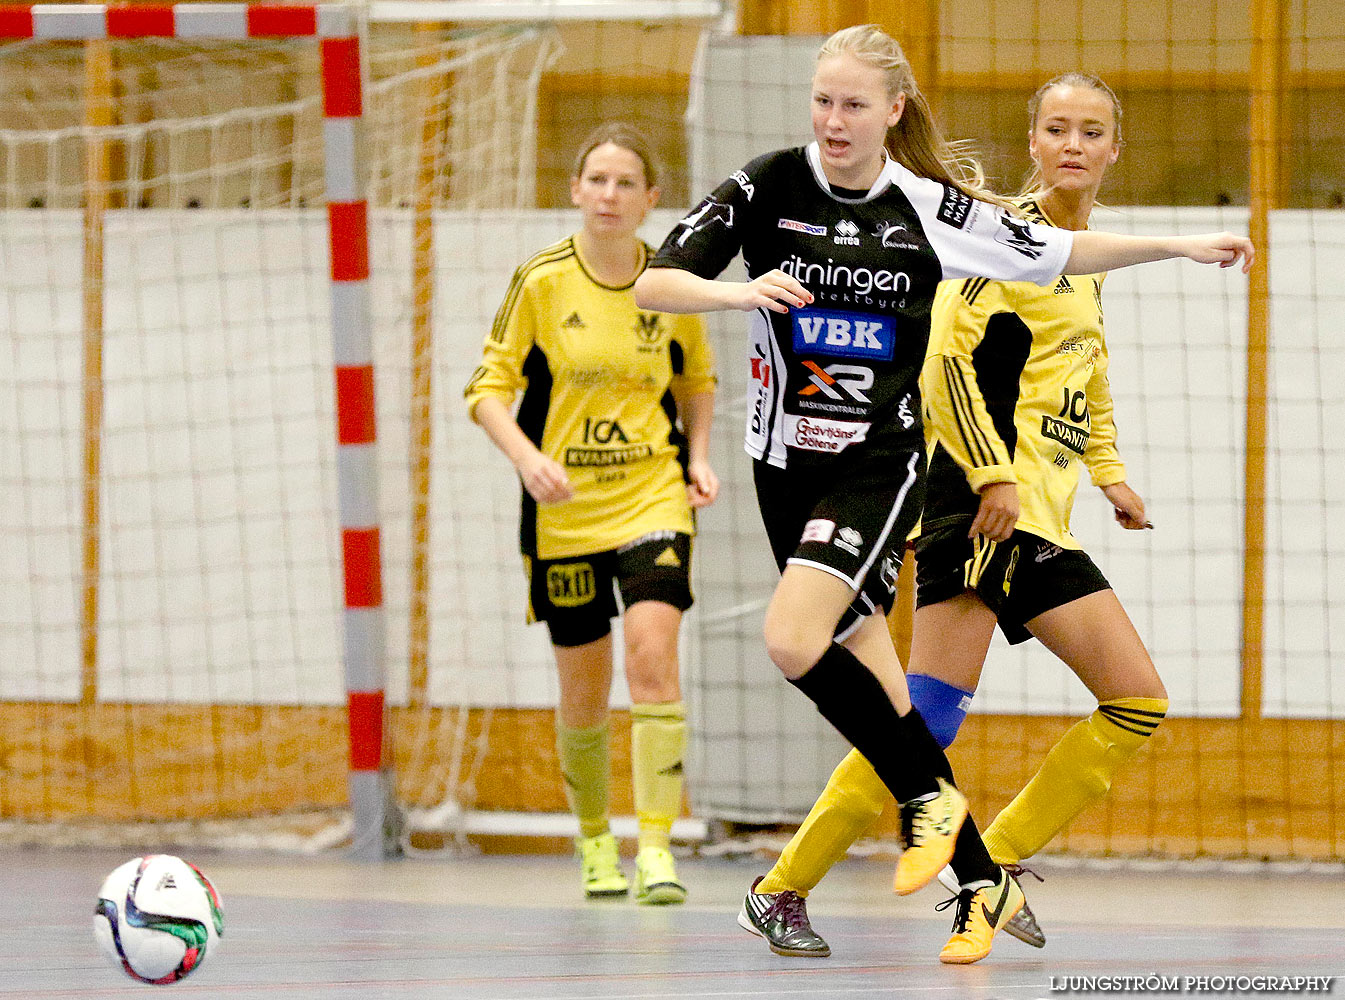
(515, 927)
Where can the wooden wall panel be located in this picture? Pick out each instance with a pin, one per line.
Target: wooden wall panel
(1272, 788)
(820, 17)
(635, 73)
(571, 105)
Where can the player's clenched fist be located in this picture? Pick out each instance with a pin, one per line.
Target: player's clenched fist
(544, 478)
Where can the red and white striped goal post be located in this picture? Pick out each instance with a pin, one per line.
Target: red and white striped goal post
(376, 824)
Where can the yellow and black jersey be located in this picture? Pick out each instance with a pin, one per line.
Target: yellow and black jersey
(1015, 390)
(598, 377)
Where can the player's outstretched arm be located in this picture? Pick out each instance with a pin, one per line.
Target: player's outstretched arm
(1094, 252)
(673, 290)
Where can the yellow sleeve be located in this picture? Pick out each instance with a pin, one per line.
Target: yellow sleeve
(954, 407)
(697, 372)
(511, 337)
(1101, 457)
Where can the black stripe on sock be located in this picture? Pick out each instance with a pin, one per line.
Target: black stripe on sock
(1129, 728)
(1131, 713)
(1116, 713)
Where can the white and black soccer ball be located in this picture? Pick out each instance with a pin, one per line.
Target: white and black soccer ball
(158, 918)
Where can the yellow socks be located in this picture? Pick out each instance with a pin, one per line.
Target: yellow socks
(586, 765)
(1078, 770)
(849, 805)
(658, 737)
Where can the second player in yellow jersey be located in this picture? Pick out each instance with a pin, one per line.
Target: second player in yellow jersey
(610, 442)
(600, 379)
(1016, 379)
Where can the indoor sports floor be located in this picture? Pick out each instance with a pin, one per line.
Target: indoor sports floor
(482, 927)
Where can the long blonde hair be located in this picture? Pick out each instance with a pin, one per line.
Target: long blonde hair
(1034, 186)
(915, 141)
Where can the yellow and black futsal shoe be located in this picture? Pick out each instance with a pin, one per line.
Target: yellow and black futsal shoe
(656, 882)
(782, 919)
(603, 877)
(929, 828)
(979, 911)
(1023, 925)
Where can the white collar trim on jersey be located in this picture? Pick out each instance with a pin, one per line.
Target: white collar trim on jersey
(886, 177)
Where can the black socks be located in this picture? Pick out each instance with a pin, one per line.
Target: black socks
(851, 699)
(971, 861)
(900, 747)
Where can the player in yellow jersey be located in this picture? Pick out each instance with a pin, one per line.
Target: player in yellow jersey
(610, 481)
(1016, 399)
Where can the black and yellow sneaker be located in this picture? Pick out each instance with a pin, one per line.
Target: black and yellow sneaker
(1023, 924)
(598, 858)
(782, 919)
(929, 827)
(980, 911)
(656, 881)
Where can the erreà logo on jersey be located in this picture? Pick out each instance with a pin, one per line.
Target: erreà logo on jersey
(844, 334)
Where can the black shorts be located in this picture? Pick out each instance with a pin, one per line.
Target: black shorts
(1018, 578)
(852, 524)
(576, 597)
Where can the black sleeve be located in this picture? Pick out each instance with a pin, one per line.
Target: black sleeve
(712, 233)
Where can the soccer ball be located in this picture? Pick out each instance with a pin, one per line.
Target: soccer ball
(158, 918)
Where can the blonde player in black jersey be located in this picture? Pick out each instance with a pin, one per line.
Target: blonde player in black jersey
(845, 241)
(610, 482)
(1016, 397)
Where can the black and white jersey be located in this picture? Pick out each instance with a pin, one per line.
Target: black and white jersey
(842, 373)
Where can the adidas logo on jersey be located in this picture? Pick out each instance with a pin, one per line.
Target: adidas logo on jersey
(1063, 287)
(668, 558)
(573, 322)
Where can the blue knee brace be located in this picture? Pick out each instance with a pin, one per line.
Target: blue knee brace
(942, 706)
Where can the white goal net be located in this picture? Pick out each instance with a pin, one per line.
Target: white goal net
(170, 556)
